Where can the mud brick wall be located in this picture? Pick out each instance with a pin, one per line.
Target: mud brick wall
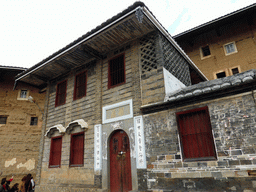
(19, 141)
(238, 31)
(234, 132)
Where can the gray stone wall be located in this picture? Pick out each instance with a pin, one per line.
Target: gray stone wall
(233, 126)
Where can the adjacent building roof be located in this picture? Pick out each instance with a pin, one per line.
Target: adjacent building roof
(9, 72)
(132, 23)
(245, 12)
(12, 68)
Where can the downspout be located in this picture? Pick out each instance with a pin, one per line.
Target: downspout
(41, 144)
(15, 85)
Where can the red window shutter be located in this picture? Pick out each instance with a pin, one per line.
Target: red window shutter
(196, 134)
(80, 85)
(77, 149)
(55, 152)
(116, 71)
(61, 93)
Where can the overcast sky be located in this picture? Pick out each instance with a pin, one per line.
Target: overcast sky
(31, 30)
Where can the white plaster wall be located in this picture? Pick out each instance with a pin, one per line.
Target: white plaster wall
(171, 83)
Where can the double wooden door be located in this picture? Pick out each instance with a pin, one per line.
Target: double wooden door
(120, 162)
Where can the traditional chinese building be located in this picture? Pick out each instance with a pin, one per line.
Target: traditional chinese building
(127, 110)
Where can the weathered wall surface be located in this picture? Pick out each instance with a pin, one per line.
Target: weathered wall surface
(141, 88)
(19, 146)
(85, 108)
(88, 108)
(234, 131)
(239, 31)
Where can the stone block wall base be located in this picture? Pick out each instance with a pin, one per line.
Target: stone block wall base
(241, 184)
(56, 188)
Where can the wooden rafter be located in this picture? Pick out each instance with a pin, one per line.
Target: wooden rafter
(92, 52)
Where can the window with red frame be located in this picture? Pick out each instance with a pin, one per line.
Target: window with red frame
(196, 135)
(116, 71)
(77, 149)
(55, 152)
(61, 93)
(80, 85)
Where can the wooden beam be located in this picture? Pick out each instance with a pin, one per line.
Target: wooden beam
(79, 52)
(62, 65)
(89, 50)
(38, 77)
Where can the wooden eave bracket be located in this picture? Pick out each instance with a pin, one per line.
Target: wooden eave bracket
(38, 77)
(65, 66)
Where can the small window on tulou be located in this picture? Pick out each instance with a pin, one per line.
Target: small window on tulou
(3, 120)
(205, 51)
(33, 121)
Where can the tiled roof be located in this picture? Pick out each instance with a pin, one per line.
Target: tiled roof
(212, 86)
(12, 67)
(104, 24)
(216, 21)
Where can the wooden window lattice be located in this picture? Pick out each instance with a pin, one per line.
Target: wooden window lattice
(148, 53)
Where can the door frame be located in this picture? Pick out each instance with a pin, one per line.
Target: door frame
(111, 137)
(107, 132)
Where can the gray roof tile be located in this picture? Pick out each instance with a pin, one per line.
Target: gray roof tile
(213, 85)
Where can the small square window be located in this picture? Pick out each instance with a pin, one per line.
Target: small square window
(205, 51)
(230, 48)
(33, 121)
(235, 70)
(23, 94)
(221, 74)
(3, 119)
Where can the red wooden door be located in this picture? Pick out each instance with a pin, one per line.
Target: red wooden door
(120, 162)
